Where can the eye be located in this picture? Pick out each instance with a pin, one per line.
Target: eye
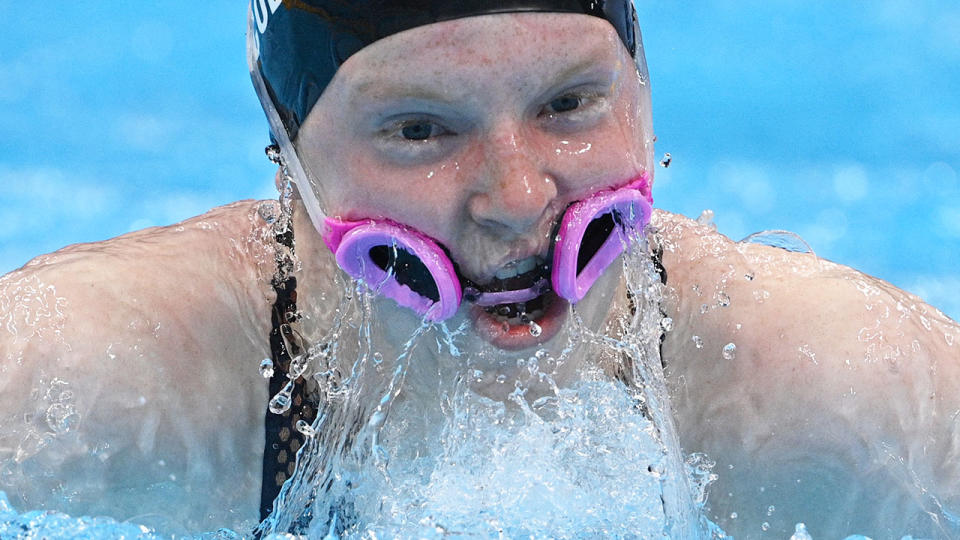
(420, 131)
(563, 104)
(575, 109)
(414, 138)
(417, 131)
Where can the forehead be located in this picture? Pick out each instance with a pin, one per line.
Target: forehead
(502, 47)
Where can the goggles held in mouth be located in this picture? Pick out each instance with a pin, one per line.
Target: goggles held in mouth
(408, 266)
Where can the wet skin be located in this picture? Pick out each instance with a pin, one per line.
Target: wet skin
(479, 147)
(836, 378)
(163, 366)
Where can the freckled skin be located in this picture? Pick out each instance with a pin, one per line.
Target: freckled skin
(837, 376)
(479, 205)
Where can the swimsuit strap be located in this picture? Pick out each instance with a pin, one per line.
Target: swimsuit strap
(656, 255)
(283, 440)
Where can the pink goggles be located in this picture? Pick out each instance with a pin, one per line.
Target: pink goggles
(408, 266)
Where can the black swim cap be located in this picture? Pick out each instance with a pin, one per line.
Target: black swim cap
(302, 43)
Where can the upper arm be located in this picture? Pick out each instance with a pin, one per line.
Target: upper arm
(151, 334)
(818, 348)
(835, 379)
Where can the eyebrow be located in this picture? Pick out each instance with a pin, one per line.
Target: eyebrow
(373, 88)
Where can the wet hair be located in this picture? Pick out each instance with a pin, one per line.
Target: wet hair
(302, 43)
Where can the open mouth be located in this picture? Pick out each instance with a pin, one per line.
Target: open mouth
(518, 292)
(518, 308)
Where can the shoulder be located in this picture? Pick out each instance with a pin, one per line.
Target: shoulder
(777, 357)
(201, 263)
(155, 309)
(779, 298)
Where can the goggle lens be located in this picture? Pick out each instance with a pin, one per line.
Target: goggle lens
(397, 262)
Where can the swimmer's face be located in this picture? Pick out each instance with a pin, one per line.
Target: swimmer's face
(479, 132)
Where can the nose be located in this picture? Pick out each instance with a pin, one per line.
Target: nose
(516, 188)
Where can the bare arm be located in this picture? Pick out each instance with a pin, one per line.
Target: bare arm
(837, 379)
(134, 360)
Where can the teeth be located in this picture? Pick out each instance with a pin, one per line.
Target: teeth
(515, 268)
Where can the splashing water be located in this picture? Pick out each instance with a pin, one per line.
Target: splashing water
(787, 240)
(385, 459)
(589, 454)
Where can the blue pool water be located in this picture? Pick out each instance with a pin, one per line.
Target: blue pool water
(839, 122)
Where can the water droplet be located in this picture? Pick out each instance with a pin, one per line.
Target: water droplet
(61, 418)
(706, 218)
(771, 509)
(704, 308)
(535, 329)
(800, 533)
(377, 358)
(729, 351)
(779, 239)
(665, 162)
(273, 153)
(501, 379)
(666, 323)
(807, 352)
(478, 375)
(280, 403)
(305, 428)
(297, 366)
(266, 368)
(268, 211)
(723, 299)
(749, 276)
(533, 365)
(505, 326)
(698, 341)
(765, 526)
(733, 515)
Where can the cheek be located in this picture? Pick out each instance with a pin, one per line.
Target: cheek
(604, 157)
(425, 198)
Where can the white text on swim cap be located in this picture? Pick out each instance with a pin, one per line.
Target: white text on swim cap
(261, 14)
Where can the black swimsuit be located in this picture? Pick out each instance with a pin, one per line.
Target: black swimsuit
(283, 440)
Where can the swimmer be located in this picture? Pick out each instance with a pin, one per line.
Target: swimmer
(463, 139)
